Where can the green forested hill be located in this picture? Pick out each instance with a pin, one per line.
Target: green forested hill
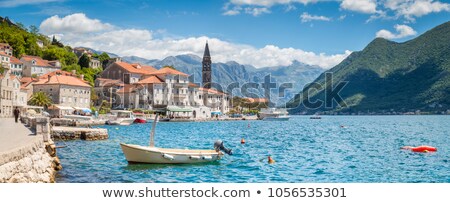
(24, 42)
(386, 76)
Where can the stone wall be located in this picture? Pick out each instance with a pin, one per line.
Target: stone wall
(30, 163)
(67, 133)
(35, 162)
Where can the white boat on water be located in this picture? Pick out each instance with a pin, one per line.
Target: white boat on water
(121, 117)
(273, 114)
(155, 155)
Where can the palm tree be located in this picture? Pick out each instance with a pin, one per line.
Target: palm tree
(40, 99)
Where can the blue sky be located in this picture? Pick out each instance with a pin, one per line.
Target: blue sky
(256, 32)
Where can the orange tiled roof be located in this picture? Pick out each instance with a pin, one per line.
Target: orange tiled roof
(257, 100)
(106, 82)
(4, 53)
(15, 60)
(39, 60)
(127, 88)
(211, 91)
(192, 85)
(27, 80)
(62, 80)
(150, 80)
(136, 68)
(166, 71)
(57, 72)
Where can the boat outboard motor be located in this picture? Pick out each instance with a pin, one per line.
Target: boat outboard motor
(218, 145)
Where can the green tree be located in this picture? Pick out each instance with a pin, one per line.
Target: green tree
(21, 26)
(58, 53)
(84, 61)
(104, 57)
(34, 30)
(40, 99)
(2, 70)
(56, 42)
(104, 107)
(94, 97)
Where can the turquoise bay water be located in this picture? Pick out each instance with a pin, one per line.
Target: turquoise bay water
(305, 150)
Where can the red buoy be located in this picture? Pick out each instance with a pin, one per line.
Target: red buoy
(242, 141)
(270, 160)
(422, 148)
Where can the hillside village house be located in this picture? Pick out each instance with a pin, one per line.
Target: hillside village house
(5, 59)
(35, 65)
(104, 88)
(11, 94)
(127, 73)
(16, 66)
(67, 93)
(4, 47)
(94, 62)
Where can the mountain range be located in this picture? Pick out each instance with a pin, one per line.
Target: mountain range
(386, 76)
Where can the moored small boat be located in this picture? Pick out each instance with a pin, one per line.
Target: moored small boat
(121, 118)
(155, 155)
(273, 114)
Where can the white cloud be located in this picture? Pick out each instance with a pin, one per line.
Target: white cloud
(75, 23)
(259, 7)
(139, 42)
(232, 12)
(15, 3)
(362, 6)
(306, 17)
(290, 7)
(402, 32)
(411, 9)
(256, 11)
(269, 3)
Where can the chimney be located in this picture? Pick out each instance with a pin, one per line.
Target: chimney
(74, 72)
(82, 77)
(48, 78)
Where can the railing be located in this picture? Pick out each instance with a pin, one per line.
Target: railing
(40, 125)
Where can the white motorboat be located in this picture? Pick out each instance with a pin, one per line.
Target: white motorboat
(273, 114)
(155, 155)
(122, 117)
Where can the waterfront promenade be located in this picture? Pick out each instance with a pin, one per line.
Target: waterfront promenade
(24, 156)
(14, 135)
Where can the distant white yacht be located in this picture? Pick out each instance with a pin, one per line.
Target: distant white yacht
(273, 114)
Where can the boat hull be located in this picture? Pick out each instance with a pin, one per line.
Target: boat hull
(154, 155)
(126, 121)
(140, 120)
